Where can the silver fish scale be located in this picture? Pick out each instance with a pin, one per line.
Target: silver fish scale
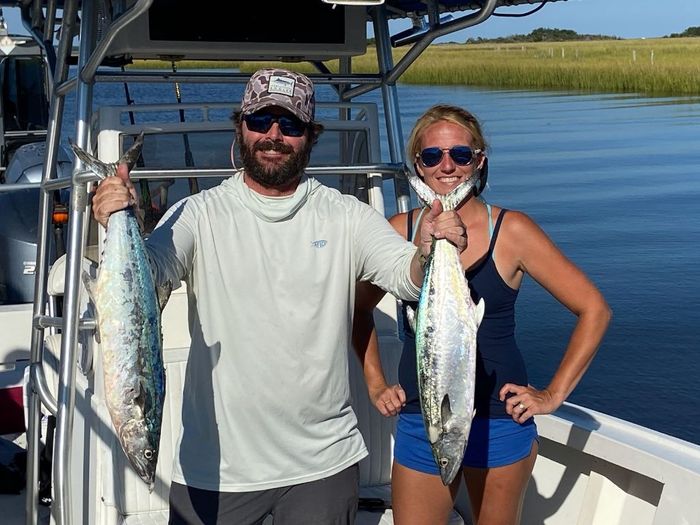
(129, 330)
(446, 325)
(446, 329)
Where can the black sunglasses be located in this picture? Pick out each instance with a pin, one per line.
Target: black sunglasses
(261, 122)
(461, 155)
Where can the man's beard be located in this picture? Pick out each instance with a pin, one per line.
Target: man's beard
(272, 177)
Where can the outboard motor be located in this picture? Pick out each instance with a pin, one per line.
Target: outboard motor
(19, 214)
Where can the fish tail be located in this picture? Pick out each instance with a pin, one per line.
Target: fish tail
(98, 167)
(457, 195)
(133, 153)
(426, 194)
(449, 201)
(102, 169)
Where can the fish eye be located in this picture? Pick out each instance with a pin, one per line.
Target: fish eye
(444, 462)
(148, 454)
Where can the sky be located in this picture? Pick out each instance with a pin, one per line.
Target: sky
(623, 18)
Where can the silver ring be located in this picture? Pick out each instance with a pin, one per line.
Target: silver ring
(521, 406)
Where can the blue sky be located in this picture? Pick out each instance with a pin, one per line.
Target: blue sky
(623, 18)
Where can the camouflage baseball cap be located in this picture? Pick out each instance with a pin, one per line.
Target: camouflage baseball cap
(279, 87)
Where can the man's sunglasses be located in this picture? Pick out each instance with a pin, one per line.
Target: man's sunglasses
(461, 155)
(262, 122)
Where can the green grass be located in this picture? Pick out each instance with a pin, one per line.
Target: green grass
(656, 67)
(652, 67)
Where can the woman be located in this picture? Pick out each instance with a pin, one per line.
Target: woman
(448, 147)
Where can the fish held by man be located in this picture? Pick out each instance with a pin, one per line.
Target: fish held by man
(129, 330)
(445, 325)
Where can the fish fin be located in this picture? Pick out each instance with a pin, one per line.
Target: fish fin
(433, 433)
(89, 284)
(411, 316)
(163, 292)
(133, 153)
(140, 220)
(445, 410)
(142, 399)
(426, 194)
(480, 309)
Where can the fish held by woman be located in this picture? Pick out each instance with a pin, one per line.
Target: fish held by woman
(445, 325)
(128, 309)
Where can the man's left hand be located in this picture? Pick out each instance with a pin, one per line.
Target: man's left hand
(442, 225)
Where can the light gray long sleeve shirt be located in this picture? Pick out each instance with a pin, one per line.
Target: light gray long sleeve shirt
(271, 285)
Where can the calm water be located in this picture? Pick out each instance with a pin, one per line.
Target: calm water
(615, 181)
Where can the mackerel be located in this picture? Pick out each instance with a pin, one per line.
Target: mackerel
(445, 325)
(129, 330)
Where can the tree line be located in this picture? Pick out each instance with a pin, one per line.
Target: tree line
(691, 31)
(541, 34)
(545, 34)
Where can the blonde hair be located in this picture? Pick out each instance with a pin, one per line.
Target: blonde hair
(446, 113)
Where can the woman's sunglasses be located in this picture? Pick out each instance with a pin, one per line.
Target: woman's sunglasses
(461, 155)
(260, 122)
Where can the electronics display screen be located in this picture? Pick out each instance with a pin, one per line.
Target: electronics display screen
(275, 21)
(249, 30)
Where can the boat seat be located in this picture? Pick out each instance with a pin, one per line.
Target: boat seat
(57, 275)
(52, 341)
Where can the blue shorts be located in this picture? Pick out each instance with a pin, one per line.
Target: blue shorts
(492, 443)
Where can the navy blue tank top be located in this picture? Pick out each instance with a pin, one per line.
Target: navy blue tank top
(498, 359)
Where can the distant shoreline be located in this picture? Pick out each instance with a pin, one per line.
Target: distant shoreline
(654, 67)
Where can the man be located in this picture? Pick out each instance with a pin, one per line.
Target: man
(271, 258)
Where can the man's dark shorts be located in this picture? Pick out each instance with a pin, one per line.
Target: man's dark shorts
(328, 501)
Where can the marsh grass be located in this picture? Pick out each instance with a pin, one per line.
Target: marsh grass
(652, 67)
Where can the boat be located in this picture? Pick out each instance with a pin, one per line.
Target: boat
(592, 468)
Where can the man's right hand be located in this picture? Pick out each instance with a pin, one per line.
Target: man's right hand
(113, 194)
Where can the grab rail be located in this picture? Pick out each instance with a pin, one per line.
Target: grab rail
(87, 73)
(37, 385)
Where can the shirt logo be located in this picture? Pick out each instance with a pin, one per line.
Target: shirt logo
(319, 244)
